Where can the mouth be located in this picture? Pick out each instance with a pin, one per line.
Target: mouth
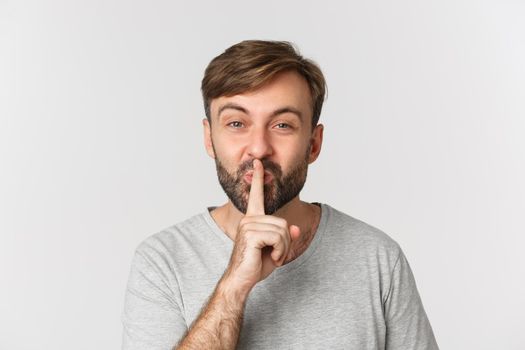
(268, 177)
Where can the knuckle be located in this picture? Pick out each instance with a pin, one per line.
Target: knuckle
(279, 238)
(253, 236)
(244, 221)
(281, 231)
(282, 222)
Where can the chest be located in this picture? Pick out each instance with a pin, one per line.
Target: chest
(314, 314)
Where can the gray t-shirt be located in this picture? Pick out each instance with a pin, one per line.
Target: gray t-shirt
(351, 289)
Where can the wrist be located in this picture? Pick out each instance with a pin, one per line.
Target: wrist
(234, 293)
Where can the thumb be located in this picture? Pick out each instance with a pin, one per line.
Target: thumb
(295, 232)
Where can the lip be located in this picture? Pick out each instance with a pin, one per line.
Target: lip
(268, 177)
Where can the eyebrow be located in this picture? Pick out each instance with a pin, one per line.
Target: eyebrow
(287, 109)
(232, 106)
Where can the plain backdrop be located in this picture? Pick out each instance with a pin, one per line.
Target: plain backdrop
(101, 146)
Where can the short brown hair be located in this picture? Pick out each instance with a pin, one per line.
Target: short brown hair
(250, 64)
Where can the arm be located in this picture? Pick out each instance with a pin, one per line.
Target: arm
(408, 327)
(153, 316)
(219, 324)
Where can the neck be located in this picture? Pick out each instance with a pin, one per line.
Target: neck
(295, 212)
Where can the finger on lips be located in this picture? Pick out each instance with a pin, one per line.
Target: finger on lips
(256, 220)
(256, 197)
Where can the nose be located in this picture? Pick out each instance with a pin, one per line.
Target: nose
(259, 145)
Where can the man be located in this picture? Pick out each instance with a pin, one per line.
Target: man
(267, 270)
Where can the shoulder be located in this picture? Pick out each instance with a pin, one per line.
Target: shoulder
(175, 237)
(358, 235)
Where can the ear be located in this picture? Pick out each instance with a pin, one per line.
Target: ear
(316, 142)
(207, 138)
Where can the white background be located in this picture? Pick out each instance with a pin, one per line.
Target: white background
(101, 146)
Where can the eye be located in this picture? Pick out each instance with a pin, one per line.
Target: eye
(235, 124)
(283, 126)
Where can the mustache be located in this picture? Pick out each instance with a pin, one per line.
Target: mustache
(268, 165)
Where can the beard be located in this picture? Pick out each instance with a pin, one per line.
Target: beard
(281, 190)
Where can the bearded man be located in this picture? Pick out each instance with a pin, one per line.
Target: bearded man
(267, 270)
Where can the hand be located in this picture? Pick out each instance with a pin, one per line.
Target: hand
(262, 242)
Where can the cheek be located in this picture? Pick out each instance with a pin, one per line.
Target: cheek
(297, 156)
(223, 149)
(232, 152)
(228, 159)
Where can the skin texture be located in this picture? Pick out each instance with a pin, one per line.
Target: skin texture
(253, 129)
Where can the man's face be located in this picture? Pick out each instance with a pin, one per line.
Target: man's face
(272, 124)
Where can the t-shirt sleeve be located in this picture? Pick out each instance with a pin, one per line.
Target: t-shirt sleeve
(152, 317)
(408, 327)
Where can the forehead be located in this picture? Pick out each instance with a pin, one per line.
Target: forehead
(288, 89)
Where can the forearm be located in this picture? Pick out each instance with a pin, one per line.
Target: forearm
(219, 324)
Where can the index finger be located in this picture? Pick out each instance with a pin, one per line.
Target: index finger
(256, 197)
